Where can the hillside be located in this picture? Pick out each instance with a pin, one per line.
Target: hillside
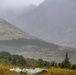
(13, 40)
(9, 32)
(54, 18)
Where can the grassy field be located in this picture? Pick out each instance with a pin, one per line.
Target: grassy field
(4, 70)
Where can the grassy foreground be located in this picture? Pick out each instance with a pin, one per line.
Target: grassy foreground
(4, 70)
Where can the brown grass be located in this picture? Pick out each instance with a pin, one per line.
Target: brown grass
(4, 70)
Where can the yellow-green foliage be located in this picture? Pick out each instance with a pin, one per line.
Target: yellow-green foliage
(4, 70)
(58, 71)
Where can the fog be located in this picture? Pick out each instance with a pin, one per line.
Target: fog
(18, 3)
(13, 8)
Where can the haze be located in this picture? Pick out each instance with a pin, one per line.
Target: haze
(53, 20)
(16, 3)
(16, 7)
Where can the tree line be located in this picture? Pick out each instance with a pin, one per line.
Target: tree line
(19, 60)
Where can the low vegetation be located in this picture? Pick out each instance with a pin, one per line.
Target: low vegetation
(4, 70)
(8, 61)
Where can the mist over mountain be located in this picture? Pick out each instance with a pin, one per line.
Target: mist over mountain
(14, 40)
(53, 21)
(11, 12)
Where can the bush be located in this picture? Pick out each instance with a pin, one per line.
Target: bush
(73, 67)
(3, 70)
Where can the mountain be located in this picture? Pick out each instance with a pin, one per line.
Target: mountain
(10, 32)
(10, 13)
(13, 40)
(53, 21)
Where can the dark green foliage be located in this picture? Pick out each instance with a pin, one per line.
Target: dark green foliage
(40, 62)
(59, 64)
(73, 67)
(32, 62)
(12, 59)
(66, 63)
(54, 64)
(46, 64)
(9, 58)
(22, 61)
(19, 60)
(4, 55)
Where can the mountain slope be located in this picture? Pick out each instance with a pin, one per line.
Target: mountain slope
(55, 18)
(9, 32)
(14, 40)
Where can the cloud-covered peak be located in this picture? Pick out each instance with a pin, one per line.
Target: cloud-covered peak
(18, 3)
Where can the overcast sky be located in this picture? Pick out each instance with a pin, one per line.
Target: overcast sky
(19, 2)
(9, 4)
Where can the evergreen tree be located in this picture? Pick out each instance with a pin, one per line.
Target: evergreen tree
(46, 64)
(66, 63)
(14, 61)
(40, 62)
(9, 58)
(54, 64)
(22, 62)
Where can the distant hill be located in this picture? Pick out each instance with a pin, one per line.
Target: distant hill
(53, 21)
(13, 40)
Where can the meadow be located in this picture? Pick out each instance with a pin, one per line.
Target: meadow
(8, 61)
(4, 70)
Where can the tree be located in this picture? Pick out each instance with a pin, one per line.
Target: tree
(54, 64)
(73, 67)
(9, 58)
(66, 63)
(14, 61)
(22, 61)
(40, 62)
(46, 64)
